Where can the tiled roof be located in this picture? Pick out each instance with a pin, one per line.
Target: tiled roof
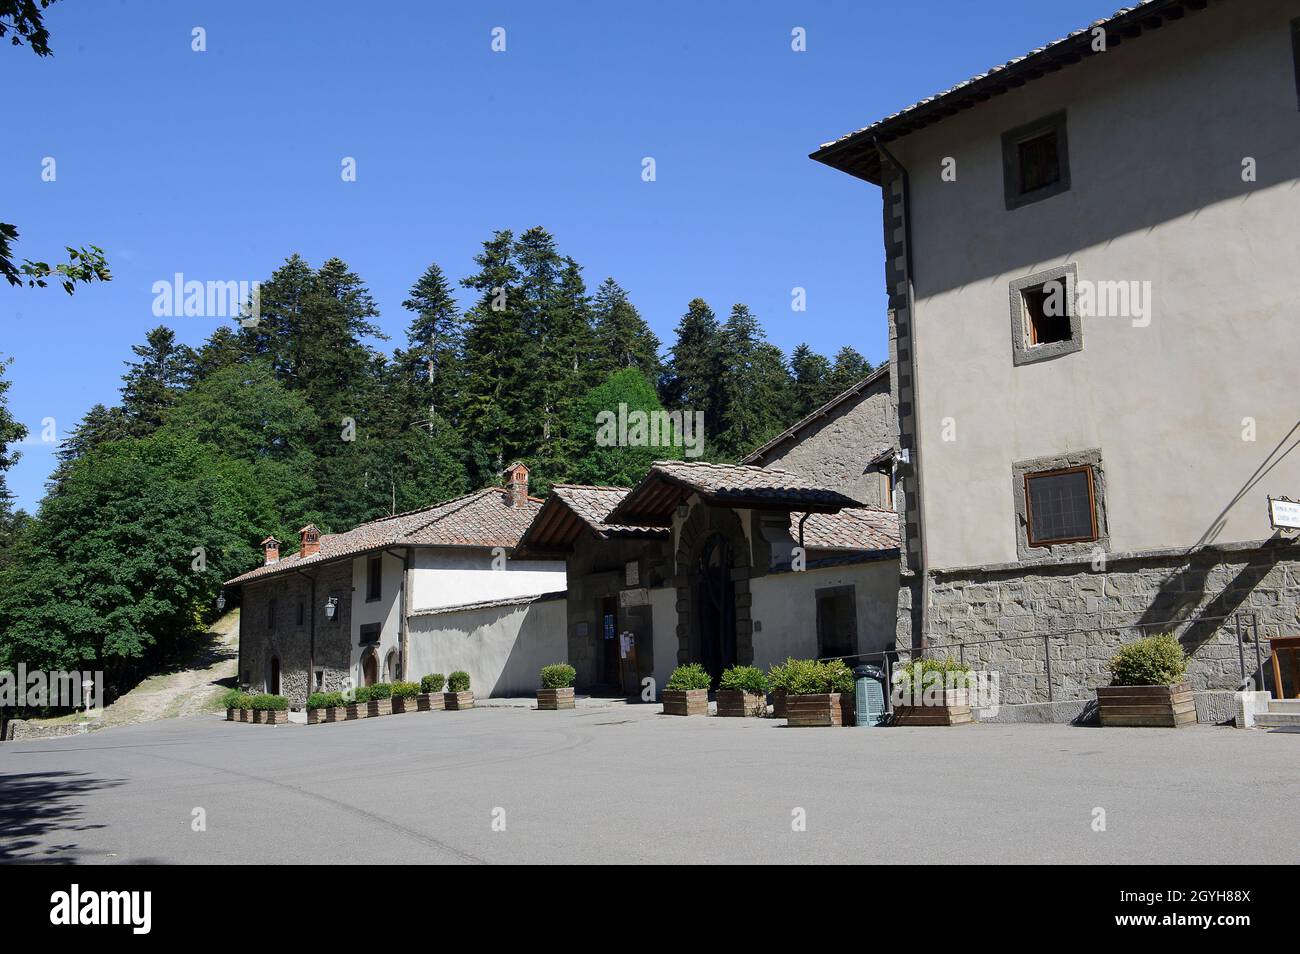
(480, 519)
(855, 152)
(739, 485)
(755, 456)
(865, 528)
(573, 509)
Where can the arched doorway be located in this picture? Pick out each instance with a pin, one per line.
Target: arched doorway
(369, 669)
(716, 605)
(390, 666)
(274, 682)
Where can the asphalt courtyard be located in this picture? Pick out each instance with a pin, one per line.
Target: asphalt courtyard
(624, 784)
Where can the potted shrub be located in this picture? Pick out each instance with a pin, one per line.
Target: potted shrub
(687, 692)
(1147, 686)
(270, 710)
(380, 701)
(777, 674)
(458, 695)
(359, 705)
(557, 687)
(818, 693)
(404, 694)
(742, 691)
(932, 692)
(317, 706)
(230, 702)
(430, 696)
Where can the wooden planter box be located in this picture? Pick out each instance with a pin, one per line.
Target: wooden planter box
(778, 703)
(316, 716)
(258, 716)
(232, 715)
(275, 717)
(427, 701)
(245, 715)
(736, 704)
(379, 707)
(404, 705)
(1168, 706)
(686, 702)
(459, 700)
(555, 698)
(955, 710)
(354, 710)
(335, 713)
(820, 709)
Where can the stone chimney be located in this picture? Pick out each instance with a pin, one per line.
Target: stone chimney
(517, 483)
(308, 541)
(270, 550)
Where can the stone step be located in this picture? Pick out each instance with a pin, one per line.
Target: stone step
(1284, 705)
(1277, 718)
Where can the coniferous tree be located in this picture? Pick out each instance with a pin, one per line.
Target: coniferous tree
(428, 369)
(100, 425)
(622, 337)
(11, 432)
(152, 384)
(754, 386)
(813, 386)
(692, 378)
(222, 350)
(850, 368)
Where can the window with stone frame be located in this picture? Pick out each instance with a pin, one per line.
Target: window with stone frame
(1035, 161)
(1061, 506)
(1045, 320)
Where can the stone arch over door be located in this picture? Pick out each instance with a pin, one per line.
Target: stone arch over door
(369, 667)
(699, 531)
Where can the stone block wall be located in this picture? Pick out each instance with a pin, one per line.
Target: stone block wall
(1024, 621)
(259, 641)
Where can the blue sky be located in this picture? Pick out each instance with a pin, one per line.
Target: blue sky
(220, 164)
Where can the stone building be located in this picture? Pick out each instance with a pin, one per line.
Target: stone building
(698, 563)
(1090, 258)
(436, 589)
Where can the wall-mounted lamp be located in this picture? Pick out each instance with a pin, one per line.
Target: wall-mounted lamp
(221, 601)
(331, 607)
(683, 511)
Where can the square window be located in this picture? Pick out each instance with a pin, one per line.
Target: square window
(1047, 316)
(1035, 161)
(1061, 506)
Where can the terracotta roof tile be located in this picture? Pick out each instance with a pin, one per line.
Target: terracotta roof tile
(864, 528)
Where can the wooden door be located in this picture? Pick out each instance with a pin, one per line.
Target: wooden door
(369, 669)
(609, 670)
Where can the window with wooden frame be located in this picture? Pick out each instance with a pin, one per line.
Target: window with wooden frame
(1061, 506)
(374, 579)
(1047, 315)
(1035, 161)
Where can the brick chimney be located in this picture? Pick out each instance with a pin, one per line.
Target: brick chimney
(517, 483)
(270, 550)
(308, 541)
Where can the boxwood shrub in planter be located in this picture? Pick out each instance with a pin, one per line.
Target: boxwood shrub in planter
(323, 707)
(232, 700)
(818, 693)
(358, 706)
(430, 696)
(557, 687)
(404, 694)
(932, 692)
(458, 695)
(742, 691)
(1147, 686)
(379, 701)
(687, 692)
(270, 710)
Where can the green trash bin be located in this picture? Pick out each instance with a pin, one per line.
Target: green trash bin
(870, 695)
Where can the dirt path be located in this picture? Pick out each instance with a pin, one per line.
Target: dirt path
(191, 688)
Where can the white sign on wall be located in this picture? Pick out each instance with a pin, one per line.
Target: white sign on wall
(1283, 513)
(638, 596)
(633, 573)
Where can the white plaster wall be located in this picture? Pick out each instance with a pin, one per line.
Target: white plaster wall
(663, 608)
(386, 611)
(503, 648)
(786, 604)
(454, 575)
(1157, 131)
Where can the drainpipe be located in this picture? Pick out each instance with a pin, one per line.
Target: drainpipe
(915, 461)
(403, 635)
(801, 520)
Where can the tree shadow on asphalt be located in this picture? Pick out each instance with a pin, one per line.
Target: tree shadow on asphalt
(37, 804)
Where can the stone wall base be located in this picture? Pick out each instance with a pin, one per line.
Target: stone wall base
(1213, 707)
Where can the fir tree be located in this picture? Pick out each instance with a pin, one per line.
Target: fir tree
(152, 384)
(622, 337)
(850, 368)
(429, 367)
(754, 385)
(692, 378)
(813, 386)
